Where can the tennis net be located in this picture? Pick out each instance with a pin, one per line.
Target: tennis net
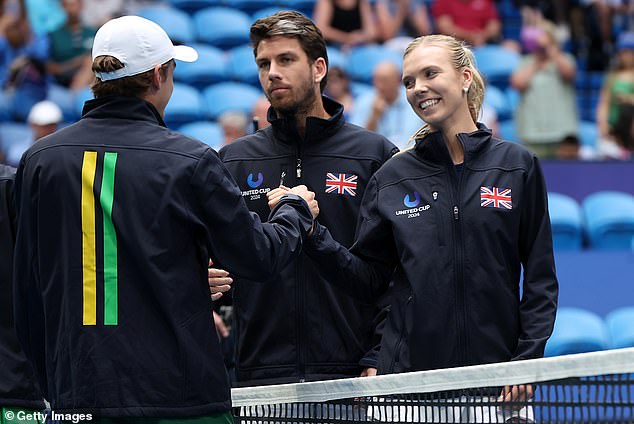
(595, 387)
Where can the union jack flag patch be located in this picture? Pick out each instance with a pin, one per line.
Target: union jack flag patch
(341, 184)
(493, 197)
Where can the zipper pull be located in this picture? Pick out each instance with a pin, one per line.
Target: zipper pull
(456, 214)
(299, 168)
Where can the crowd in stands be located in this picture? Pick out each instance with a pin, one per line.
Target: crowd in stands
(560, 73)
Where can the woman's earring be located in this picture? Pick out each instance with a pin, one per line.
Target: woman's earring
(465, 89)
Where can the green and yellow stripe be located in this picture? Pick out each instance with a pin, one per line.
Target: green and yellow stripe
(89, 243)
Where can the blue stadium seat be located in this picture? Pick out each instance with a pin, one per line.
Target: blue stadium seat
(80, 98)
(495, 98)
(621, 327)
(267, 11)
(210, 68)
(511, 20)
(358, 88)
(513, 97)
(588, 134)
(209, 133)
(193, 6)
(508, 131)
(609, 217)
(247, 6)
(222, 27)
(65, 99)
(566, 220)
(362, 61)
(12, 133)
(186, 105)
(577, 331)
(242, 67)
(336, 58)
(304, 6)
(230, 96)
(496, 64)
(5, 115)
(176, 23)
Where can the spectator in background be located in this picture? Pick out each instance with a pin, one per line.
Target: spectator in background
(346, 23)
(22, 57)
(70, 61)
(234, 125)
(43, 119)
(475, 21)
(615, 111)
(259, 113)
(545, 79)
(338, 89)
(395, 18)
(97, 12)
(568, 148)
(385, 110)
(45, 15)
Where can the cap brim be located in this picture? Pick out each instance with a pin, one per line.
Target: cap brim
(185, 53)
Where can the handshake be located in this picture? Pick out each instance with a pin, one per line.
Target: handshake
(275, 195)
(219, 279)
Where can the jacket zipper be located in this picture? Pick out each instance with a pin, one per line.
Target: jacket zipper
(301, 293)
(397, 350)
(301, 327)
(459, 261)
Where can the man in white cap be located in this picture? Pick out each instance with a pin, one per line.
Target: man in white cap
(44, 118)
(117, 216)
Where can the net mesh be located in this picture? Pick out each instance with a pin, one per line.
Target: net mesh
(593, 387)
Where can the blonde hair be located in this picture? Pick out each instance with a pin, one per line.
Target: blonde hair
(462, 58)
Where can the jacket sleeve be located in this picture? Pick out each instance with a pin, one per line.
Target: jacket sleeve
(371, 358)
(364, 270)
(28, 309)
(540, 287)
(239, 241)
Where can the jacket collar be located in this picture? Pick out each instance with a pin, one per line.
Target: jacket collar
(432, 147)
(122, 107)
(285, 129)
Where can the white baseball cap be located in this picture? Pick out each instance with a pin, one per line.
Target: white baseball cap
(45, 113)
(139, 44)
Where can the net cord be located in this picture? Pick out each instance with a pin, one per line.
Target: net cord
(618, 361)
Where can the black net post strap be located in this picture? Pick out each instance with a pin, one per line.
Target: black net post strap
(584, 388)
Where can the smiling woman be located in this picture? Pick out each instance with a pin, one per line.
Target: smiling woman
(450, 223)
(439, 73)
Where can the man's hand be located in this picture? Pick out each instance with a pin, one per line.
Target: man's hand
(221, 328)
(368, 372)
(219, 281)
(518, 393)
(275, 195)
(309, 197)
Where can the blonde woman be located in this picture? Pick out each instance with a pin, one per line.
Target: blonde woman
(451, 222)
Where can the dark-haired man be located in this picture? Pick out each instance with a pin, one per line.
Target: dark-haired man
(298, 327)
